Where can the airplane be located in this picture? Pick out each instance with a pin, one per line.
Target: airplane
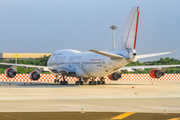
(86, 66)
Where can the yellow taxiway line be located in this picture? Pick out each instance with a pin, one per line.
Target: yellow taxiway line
(175, 119)
(122, 116)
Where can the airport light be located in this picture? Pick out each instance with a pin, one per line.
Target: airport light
(113, 27)
(16, 57)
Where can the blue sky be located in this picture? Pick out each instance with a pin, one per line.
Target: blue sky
(44, 26)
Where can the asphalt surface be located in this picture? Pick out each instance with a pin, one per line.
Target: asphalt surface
(84, 116)
(43, 100)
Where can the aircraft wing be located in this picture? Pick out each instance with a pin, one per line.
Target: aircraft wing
(44, 68)
(57, 70)
(161, 68)
(153, 55)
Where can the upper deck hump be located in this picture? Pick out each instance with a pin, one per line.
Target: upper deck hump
(66, 51)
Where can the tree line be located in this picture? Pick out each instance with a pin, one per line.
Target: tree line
(161, 61)
(43, 62)
(20, 70)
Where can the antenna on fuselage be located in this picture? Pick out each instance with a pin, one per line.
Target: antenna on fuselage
(113, 27)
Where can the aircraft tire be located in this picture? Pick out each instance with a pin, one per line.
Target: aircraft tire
(81, 83)
(57, 80)
(98, 82)
(65, 82)
(61, 82)
(95, 83)
(54, 80)
(90, 82)
(77, 82)
(103, 82)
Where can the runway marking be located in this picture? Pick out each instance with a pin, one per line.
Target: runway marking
(124, 115)
(175, 119)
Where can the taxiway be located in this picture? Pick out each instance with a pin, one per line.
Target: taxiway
(112, 97)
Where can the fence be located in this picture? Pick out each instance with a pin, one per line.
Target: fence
(125, 77)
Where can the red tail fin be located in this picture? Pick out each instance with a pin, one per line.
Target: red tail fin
(136, 27)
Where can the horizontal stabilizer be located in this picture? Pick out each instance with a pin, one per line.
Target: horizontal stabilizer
(153, 55)
(110, 55)
(161, 68)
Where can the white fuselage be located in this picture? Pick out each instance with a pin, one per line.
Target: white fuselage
(88, 64)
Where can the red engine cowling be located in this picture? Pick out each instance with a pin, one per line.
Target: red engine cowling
(10, 73)
(155, 74)
(114, 76)
(34, 75)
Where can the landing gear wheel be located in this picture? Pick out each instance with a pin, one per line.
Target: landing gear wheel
(99, 82)
(90, 82)
(95, 83)
(81, 83)
(54, 80)
(65, 82)
(103, 82)
(61, 82)
(77, 82)
(57, 80)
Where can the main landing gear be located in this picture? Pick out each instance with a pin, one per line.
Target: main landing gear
(57, 80)
(80, 82)
(64, 82)
(101, 82)
(93, 82)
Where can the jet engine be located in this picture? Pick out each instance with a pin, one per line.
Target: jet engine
(10, 73)
(114, 76)
(34, 75)
(155, 74)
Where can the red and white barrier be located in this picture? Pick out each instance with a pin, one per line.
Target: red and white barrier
(125, 77)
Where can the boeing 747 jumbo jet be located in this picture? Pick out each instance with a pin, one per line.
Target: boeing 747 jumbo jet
(86, 66)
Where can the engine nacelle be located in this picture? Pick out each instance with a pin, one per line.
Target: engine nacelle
(155, 74)
(10, 73)
(114, 76)
(34, 75)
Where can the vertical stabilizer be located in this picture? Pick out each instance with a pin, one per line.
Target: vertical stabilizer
(127, 39)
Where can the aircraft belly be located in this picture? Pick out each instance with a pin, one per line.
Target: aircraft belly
(93, 70)
(79, 72)
(106, 68)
